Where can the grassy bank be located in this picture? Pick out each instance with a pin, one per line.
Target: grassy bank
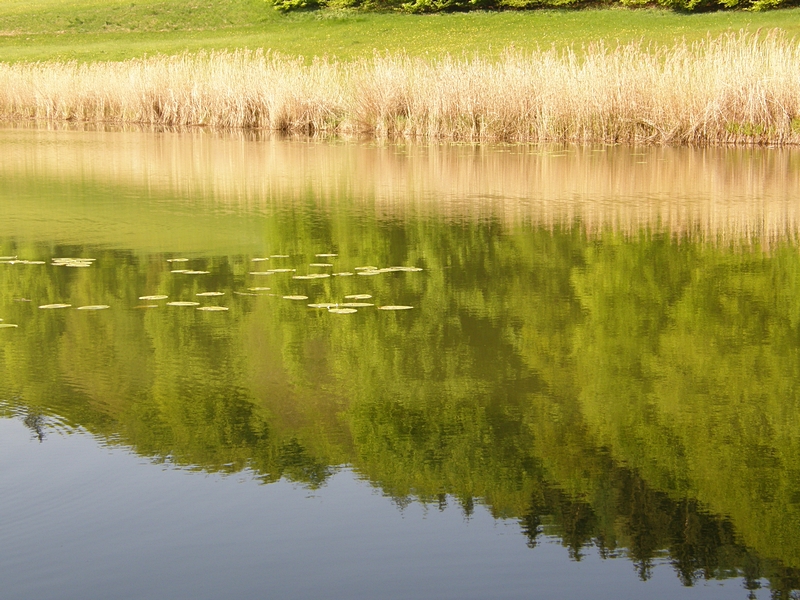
(116, 30)
(735, 89)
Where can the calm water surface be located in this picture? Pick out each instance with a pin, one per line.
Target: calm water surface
(594, 392)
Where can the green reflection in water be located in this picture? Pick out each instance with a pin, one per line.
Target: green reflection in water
(632, 390)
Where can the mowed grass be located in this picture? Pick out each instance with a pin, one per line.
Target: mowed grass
(89, 30)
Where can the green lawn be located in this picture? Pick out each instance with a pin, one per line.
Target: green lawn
(113, 29)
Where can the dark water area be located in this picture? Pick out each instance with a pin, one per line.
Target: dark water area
(560, 372)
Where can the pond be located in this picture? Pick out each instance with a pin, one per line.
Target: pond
(241, 366)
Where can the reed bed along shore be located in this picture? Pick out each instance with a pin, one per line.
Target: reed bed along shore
(741, 88)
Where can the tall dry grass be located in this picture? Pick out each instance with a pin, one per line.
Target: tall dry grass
(741, 88)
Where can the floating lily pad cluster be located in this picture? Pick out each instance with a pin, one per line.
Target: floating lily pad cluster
(13, 260)
(352, 302)
(349, 304)
(73, 262)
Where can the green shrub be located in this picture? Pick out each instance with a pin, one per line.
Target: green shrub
(291, 5)
(434, 6)
(428, 6)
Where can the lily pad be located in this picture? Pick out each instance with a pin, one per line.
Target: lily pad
(344, 274)
(260, 259)
(367, 268)
(183, 303)
(94, 307)
(326, 255)
(394, 307)
(358, 297)
(282, 270)
(368, 273)
(321, 265)
(197, 272)
(262, 272)
(295, 297)
(73, 262)
(212, 308)
(279, 256)
(172, 260)
(327, 305)
(49, 306)
(356, 304)
(312, 276)
(8, 326)
(179, 271)
(156, 297)
(342, 311)
(210, 294)
(259, 289)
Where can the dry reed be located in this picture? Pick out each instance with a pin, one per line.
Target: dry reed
(741, 88)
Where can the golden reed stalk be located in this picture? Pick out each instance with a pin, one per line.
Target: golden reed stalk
(741, 88)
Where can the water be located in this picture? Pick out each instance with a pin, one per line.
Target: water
(595, 392)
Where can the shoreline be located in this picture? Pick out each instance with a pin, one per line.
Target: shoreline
(734, 90)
